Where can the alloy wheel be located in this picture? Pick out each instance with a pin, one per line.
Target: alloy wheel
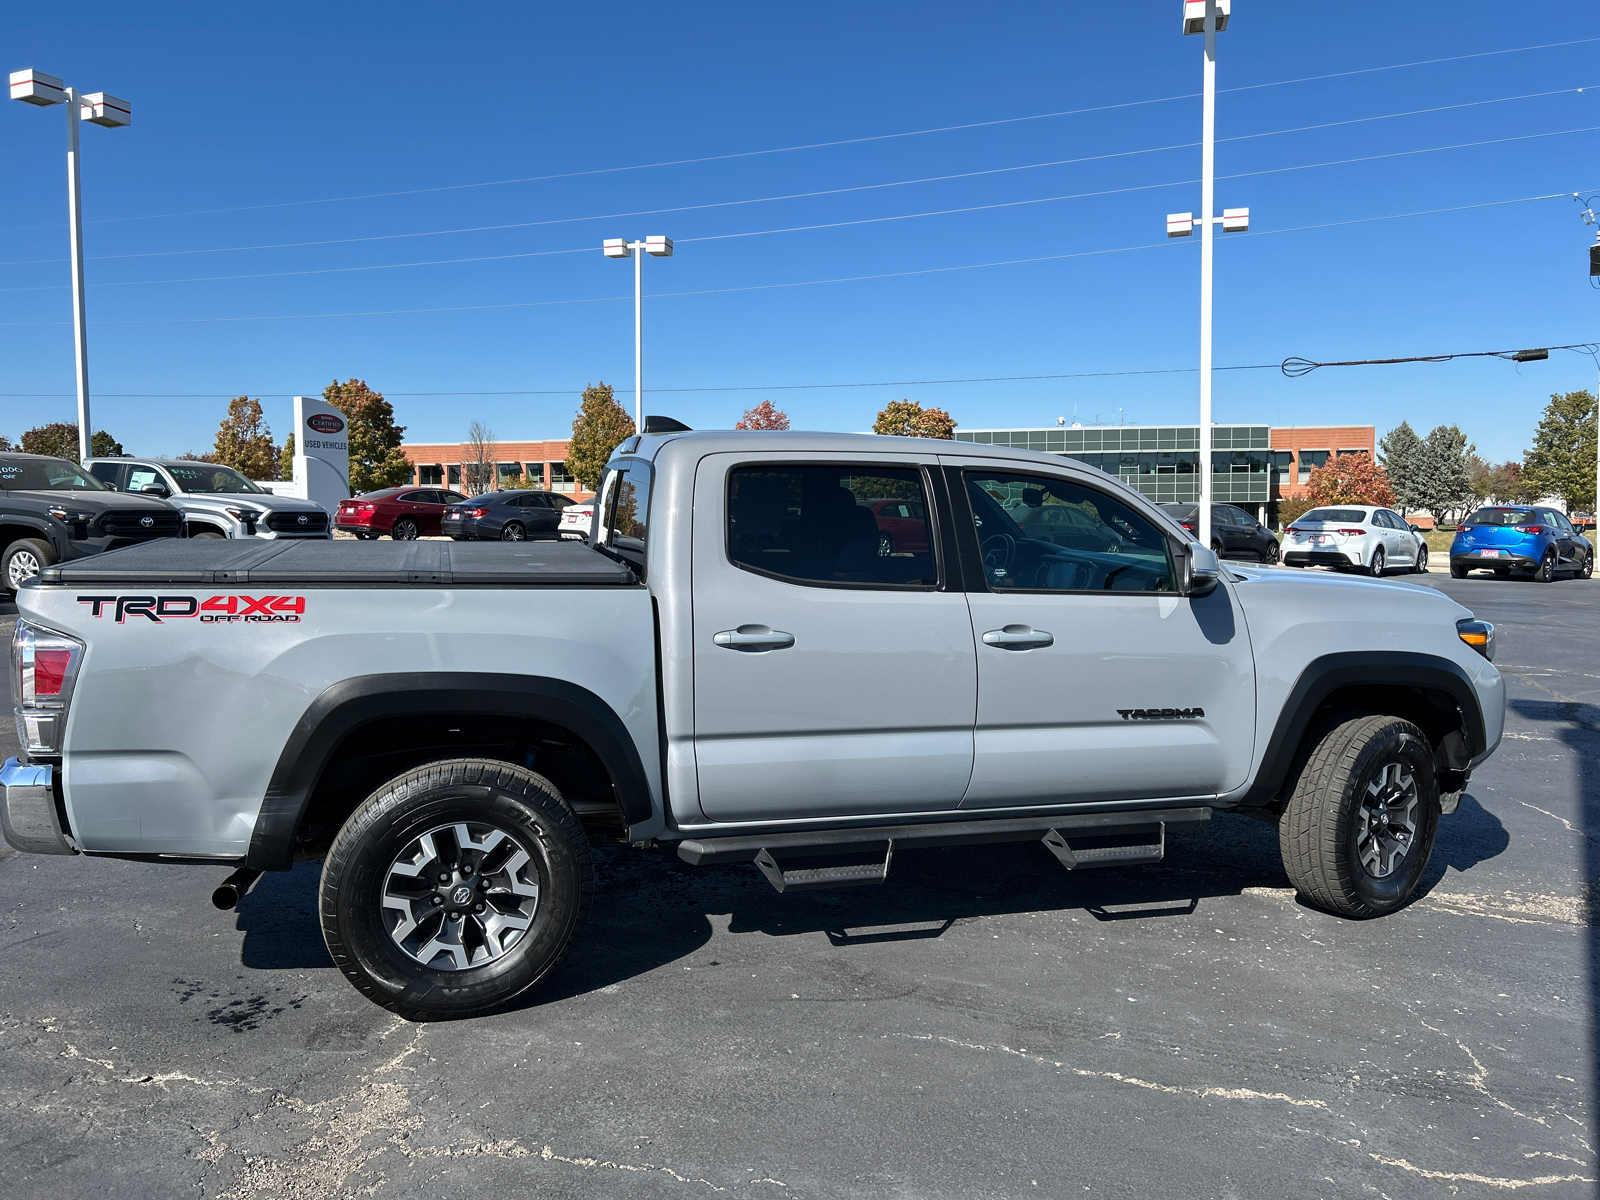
(1272, 555)
(24, 566)
(1387, 822)
(885, 545)
(1378, 561)
(460, 896)
(405, 530)
(1587, 571)
(1422, 559)
(513, 533)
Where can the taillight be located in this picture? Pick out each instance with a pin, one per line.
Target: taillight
(1189, 527)
(1352, 532)
(475, 512)
(1463, 528)
(1530, 528)
(44, 666)
(1293, 529)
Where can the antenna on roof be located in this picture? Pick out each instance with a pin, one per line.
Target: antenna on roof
(664, 425)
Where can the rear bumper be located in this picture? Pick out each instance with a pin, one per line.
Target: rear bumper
(28, 809)
(1321, 558)
(1473, 561)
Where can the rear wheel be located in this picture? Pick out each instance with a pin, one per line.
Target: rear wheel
(1457, 572)
(1360, 822)
(1421, 565)
(205, 533)
(23, 560)
(1379, 561)
(1546, 570)
(513, 532)
(455, 887)
(405, 530)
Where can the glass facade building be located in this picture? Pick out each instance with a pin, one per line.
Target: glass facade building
(1158, 460)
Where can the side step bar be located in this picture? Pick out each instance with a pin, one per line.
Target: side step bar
(1056, 831)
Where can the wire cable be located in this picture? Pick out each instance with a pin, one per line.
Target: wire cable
(1297, 368)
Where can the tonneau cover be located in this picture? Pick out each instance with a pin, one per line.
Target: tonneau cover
(343, 562)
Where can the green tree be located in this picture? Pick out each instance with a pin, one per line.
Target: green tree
(244, 442)
(765, 415)
(1562, 461)
(286, 460)
(907, 418)
(376, 460)
(599, 428)
(1400, 452)
(60, 440)
(1443, 480)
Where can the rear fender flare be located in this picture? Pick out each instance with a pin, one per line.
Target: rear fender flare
(363, 699)
(1372, 668)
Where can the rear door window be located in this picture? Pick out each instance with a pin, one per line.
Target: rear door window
(821, 524)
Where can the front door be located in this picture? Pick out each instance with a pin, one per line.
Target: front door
(832, 676)
(1097, 680)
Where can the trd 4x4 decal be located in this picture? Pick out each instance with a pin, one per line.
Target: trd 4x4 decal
(211, 611)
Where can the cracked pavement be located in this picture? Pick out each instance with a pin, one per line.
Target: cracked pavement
(985, 1024)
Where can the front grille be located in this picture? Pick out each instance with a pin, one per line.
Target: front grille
(129, 524)
(289, 522)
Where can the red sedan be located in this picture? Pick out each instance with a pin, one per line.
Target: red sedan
(404, 513)
(902, 526)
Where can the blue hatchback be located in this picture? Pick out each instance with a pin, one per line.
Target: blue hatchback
(1520, 537)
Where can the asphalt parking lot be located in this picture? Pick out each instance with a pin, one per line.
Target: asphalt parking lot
(983, 1025)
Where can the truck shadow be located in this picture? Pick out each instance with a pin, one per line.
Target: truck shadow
(651, 909)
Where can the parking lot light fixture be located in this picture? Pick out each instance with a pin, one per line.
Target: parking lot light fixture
(98, 108)
(656, 246)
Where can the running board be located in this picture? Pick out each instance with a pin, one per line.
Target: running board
(1055, 830)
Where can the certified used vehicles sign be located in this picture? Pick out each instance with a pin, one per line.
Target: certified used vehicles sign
(213, 610)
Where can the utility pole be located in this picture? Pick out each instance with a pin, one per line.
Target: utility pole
(657, 247)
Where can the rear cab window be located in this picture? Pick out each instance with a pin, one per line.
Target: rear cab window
(625, 521)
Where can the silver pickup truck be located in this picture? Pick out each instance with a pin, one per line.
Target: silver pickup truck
(775, 647)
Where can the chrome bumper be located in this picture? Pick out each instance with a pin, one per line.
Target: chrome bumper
(28, 809)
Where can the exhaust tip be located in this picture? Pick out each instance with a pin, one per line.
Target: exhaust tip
(233, 889)
(225, 897)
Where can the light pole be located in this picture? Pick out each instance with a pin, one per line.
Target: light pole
(35, 87)
(1209, 17)
(659, 247)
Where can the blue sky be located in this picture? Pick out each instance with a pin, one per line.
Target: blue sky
(252, 123)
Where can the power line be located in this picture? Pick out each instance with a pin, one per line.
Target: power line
(500, 228)
(801, 283)
(836, 143)
(1297, 368)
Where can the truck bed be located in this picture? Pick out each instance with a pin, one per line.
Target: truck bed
(345, 563)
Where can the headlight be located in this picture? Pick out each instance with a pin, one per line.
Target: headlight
(1477, 634)
(71, 516)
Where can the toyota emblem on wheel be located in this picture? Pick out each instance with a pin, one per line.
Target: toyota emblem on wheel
(147, 522)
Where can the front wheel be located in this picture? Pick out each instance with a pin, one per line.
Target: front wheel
(1272, 555)
(1378, 563)
(455, 887)
(1546, 570)
(885, 545)
(23, 560)
(1359, 826)
(1587, 570)
(513, 532)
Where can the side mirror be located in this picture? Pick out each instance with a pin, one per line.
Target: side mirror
(154, 489)
(1201, 570)
(1414, 528)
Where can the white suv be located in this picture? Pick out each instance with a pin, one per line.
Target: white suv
(1355, 537)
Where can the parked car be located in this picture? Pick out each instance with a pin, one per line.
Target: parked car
(1521, 537)
(1234, 532)
(577, 519)
(404, 513)
(505, 516)
(216, 501)
(734, 668)
(902, 526)
(1355, 537)
(54, 511)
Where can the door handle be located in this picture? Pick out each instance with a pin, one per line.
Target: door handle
(1019, 637)
(754, 639)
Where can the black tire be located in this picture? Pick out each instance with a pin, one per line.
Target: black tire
(1322, 831)
(885, 545)
(1587, 570)
(405, 530)
(513, 531)
(206, 533)
(1379, 561)
(23, 560)
(526, 808)
(1457, 572)
(1545, 572)
(1420, 566)
(1272, 555)
(1216, 547)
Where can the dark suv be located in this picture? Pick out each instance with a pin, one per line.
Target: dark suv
(52, 510)
(1234, 532)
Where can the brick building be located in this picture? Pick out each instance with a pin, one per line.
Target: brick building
(439, 464)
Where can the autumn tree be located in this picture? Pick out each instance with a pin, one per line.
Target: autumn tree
(376, 460)
(1562, 461)
(599, 428)
(765, 415)
(60, 440)
(1350, 479)
(244, 442)
(286, 460)
(907, 418)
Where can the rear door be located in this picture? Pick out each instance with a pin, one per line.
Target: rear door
(1096, 679)
(829, 680)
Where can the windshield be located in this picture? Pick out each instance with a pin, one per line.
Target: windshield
(47, 475)
(1335, 514)
(1501, 516)
(209, 478)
